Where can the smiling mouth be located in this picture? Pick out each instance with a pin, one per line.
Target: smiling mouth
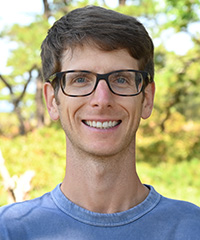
(102, 125)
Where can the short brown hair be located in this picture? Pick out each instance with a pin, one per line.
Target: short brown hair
(107, 29)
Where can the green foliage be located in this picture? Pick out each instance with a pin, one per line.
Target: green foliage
(141, 8)
(42, 151)
(178, 181)
(28, 39)
(181, 13)
(180, 142)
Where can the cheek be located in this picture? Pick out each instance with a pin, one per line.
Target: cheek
(134, 106)
(136, 115)
(69, 110)
(134, 111)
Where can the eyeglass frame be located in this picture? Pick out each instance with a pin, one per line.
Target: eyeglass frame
(146, 80)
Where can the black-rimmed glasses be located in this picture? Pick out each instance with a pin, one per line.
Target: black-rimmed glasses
(75, 83)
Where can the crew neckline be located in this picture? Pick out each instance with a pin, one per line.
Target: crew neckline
(105, 219)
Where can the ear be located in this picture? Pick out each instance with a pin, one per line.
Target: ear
(52, 106)
(148, 101)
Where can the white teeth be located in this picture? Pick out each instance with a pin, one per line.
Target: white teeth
(99, 125)
(102, 125)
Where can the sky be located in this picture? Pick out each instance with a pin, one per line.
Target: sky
(15, 11)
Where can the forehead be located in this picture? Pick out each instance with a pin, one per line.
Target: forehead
(91, 58)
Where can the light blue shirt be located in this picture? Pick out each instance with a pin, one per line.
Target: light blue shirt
(54, 217)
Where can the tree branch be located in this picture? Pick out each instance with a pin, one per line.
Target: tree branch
(25, 87)
(7, 84)
(179, 92)
(122, 2)
(47, 11)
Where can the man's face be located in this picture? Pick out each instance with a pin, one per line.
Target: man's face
(101, 124)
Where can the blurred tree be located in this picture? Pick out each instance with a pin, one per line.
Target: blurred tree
(25, 64)
(122, 2)
(181, 73)
(47, 11)
(16, 100)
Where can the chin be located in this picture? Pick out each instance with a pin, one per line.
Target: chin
(103, 153)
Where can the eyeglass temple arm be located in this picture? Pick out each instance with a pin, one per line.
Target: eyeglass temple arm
(51, 78)
(149, 78)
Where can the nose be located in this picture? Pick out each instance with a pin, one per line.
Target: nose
(102, 96)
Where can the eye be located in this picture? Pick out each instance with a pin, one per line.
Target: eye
(121, 80)
(80, 80)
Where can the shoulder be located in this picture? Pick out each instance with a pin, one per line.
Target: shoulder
(179, 207)
(176, 219)
(175, 207)
(185, 216)
(173, 210)
(20, 209)
(17, 218)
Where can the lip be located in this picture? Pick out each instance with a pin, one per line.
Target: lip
(101, 124)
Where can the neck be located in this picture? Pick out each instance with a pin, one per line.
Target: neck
(104, 185)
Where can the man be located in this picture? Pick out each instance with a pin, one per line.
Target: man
(98, 71)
